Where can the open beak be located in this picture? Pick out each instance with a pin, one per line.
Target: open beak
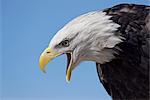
(49, 54)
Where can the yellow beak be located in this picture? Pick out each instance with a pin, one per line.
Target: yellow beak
(45, 57)
(48, 55)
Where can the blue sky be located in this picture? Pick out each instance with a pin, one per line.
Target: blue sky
(27, 27)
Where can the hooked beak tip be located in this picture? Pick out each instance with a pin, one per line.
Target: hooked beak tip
(43, 71)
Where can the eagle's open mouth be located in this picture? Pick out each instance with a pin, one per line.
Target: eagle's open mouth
(49, 54)
(69, 64)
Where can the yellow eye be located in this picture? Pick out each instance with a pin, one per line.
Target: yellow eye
(65, 43)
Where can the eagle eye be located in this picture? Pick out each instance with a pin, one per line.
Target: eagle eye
(65, 43)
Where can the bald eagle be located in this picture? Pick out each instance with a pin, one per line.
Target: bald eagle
(117, 39)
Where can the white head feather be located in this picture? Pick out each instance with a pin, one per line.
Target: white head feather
(90, 34)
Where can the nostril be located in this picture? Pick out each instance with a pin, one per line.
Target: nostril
(47, 52)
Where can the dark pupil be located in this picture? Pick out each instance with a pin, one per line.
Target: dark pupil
(65, 43)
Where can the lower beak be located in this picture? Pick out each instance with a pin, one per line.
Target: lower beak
(49, 54)
(69, 66)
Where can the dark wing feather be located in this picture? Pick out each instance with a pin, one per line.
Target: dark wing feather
(127, 76)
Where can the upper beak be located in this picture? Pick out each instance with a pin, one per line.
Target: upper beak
(45, 57)
(50, 54)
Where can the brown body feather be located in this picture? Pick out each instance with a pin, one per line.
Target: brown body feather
(127, 76)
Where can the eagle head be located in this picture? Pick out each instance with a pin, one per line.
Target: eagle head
(88, 37)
